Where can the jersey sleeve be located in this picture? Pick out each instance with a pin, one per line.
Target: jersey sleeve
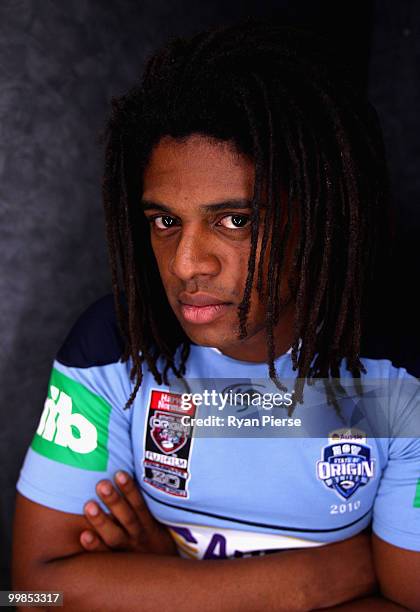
(396, 513)
(83, 434)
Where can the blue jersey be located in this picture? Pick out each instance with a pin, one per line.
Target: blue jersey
(229, 479)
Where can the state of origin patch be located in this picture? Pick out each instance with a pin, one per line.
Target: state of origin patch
(346, 464)
(168, 440)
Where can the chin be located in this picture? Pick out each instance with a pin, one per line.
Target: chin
(211, 337)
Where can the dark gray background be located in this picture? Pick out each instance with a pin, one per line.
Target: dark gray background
(59, 64)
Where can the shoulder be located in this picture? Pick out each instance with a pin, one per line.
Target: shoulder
(94, 339)
(388, 372)
(391, 398)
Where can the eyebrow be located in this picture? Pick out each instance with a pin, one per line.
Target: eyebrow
(216, 207)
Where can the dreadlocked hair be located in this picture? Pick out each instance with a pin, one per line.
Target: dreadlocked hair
(279, 97)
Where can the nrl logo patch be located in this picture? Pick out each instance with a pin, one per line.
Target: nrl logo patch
(346, 463)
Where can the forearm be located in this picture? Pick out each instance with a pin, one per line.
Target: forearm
(293, 580)
(369, 604)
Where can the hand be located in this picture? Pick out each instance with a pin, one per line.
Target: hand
(129, 526)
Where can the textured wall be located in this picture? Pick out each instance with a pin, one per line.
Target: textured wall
(59, 64)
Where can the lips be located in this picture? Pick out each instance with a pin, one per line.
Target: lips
(202, 307)
(200, 299)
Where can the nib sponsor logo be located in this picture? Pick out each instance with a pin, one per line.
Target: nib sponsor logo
(73, 427)
(58, 423)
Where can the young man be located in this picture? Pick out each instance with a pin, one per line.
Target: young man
(244, 188)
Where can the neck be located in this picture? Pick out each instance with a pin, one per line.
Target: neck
(255, 348)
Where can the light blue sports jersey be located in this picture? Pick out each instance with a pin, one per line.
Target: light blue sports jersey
(229, 480)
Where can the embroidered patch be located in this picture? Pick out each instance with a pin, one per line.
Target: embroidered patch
(345, 464)
(168, 443)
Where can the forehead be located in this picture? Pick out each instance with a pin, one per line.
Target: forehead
(197, 168)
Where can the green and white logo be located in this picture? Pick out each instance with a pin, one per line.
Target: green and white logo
(73, 428)
(416, 500)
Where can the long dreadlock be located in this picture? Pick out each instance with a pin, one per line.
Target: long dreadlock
(281, 99)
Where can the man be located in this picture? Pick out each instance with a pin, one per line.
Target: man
(244, 187)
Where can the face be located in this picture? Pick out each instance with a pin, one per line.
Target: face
(197, 196)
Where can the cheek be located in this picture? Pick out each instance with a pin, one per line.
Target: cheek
(235, 269)
(162, 257)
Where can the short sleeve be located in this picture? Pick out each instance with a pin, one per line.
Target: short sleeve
(84, 433)
(396, 514)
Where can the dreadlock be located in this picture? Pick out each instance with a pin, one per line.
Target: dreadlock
(278, 95)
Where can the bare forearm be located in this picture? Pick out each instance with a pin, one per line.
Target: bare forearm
(369, 604)
(294, 580)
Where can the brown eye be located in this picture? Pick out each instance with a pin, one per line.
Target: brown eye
(235, 221)
(163, 222)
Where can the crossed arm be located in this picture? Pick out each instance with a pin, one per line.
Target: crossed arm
(131, 564)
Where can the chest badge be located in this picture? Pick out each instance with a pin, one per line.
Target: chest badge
(167, 443)
(346, 463)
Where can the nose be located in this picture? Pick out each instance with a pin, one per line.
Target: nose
(194, 256)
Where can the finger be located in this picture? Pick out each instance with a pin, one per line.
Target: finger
(109, 532)
(119, 507)
(131, 492)
(91, 541)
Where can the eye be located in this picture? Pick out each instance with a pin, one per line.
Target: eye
(235, 221)
(162, 222)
